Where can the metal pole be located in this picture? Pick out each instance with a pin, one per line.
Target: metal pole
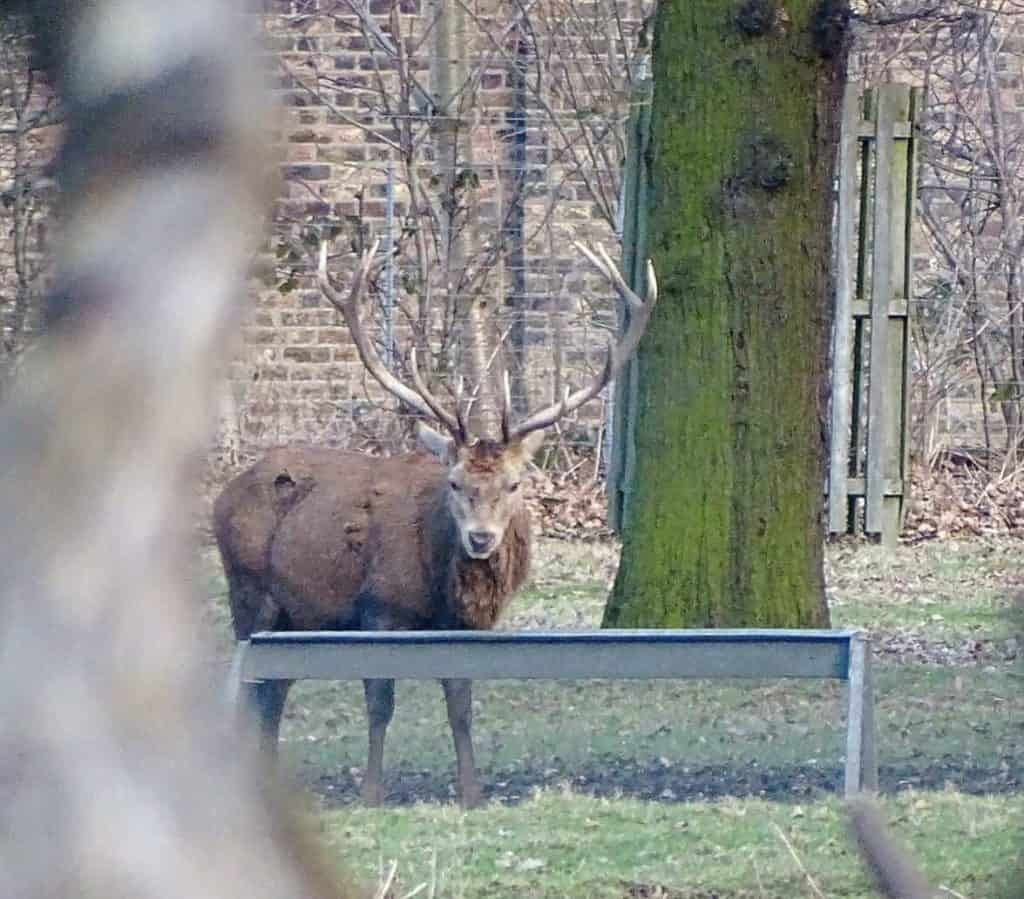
(861, 764)
(389, 269)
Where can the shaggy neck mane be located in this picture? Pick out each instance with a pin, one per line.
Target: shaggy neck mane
(479, 589)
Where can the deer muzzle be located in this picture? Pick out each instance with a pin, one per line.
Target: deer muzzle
(480, 544)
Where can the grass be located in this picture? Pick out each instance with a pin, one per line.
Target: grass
(952, 720)
(948, 591)
(560, 844)
(935, 727)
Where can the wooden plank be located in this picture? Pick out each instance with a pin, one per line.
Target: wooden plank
(857, 449)
(857, 487)
(615, 475)
(863, 206)
(879, 437)
(896, 329)
(531, 655)
(842, 324)
(619, 486)
(898, 308)
(638, 283)
(900, 130)
(856, 411)
(916, 107)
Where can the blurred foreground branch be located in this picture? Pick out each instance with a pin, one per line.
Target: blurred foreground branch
(894, 872)
(117, 773)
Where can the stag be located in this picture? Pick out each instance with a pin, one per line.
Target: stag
(323, 539)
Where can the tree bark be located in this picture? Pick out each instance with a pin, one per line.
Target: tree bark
(725, 528)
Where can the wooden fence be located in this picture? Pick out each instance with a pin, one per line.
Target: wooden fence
(877, 175)
(869, 461)
(635, 184)
(578, 655)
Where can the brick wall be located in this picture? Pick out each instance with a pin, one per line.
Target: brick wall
(966, 305)
(536, 165)
(527, 154)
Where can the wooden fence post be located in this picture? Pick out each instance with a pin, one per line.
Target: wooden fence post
(636, 179)
(878, 153)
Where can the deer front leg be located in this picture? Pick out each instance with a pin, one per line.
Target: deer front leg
(458, 695)
(269, 698)
(380, 705)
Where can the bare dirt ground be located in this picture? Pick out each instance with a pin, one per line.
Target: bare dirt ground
(631, 779)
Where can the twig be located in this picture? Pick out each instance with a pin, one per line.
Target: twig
(807, 874)
(385, 887)
(757, 876)
(599, 445)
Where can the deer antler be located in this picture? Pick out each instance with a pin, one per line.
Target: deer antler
(618, 352)
(418, 396)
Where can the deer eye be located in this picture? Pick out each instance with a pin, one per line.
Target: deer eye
(512, 488)
(455, 486)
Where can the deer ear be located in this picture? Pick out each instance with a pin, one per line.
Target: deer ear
(433, 442)
(529, 445)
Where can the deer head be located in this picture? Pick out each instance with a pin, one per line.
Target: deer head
(484, 484)
(484, 476)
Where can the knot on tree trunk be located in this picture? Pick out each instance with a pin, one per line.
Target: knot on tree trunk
(757, 17)
(830, 25)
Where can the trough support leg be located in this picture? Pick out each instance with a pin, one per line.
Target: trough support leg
(861, 762)
(233, 687)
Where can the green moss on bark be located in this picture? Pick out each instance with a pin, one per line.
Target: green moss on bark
(725, 526)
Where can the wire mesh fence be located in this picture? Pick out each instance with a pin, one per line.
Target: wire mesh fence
(476, 142)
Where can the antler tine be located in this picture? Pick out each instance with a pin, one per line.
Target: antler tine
(618, 352)
(419, 399)
(460, 390)
(506, 407)
(452, 422)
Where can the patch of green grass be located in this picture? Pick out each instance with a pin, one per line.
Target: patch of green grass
(962, 725)
(948, 591)
(564, 845)
(930, 718)
(957, 719)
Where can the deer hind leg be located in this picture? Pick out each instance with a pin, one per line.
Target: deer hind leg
(458, 696)
(380, 706)
(253, 609)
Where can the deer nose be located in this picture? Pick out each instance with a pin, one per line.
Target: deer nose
(481, 541)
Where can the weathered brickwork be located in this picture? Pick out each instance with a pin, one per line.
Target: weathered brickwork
(485, 193)
(968, 326)
(525, 178)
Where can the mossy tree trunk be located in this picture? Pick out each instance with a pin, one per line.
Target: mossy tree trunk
(724, 528)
